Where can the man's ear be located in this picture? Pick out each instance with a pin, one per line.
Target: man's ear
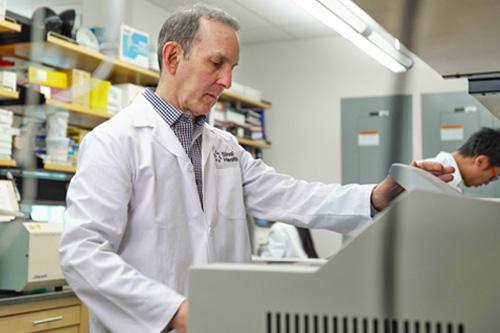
(171, 55)
(482, 162)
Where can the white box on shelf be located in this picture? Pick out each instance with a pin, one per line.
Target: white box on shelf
(114, 99)
(235, 117)
(237, 88)
(219, 115)
(8, 80)
(129, 92)
(252, 93)
(134, 46)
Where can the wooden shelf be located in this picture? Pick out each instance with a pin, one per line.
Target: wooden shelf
(79, 109)
(253, 143)
(7, 94)
(8, 26)
(8, 163)
(231, 96)
(58, 167)
(60, 53)
(81, 115)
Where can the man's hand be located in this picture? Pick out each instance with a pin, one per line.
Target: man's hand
(179, 321)
(388, 189)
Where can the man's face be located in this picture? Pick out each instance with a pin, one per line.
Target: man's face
(481, 172)
(202, 77)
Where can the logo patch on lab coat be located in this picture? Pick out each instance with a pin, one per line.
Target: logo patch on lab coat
(225, 159)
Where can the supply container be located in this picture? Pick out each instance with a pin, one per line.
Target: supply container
(57, 123)
(57, 150)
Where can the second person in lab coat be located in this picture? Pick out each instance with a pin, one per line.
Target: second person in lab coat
(158, 190)
(476, 162)
(288, 241)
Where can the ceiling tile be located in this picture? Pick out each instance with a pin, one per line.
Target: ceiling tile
(278, 12)
(263, 35)
(309, 30)
(248, 19)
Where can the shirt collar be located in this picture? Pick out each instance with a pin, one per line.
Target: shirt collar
(167, 111)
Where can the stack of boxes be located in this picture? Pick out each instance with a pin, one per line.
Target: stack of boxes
(72, 86)
(58, 144)
(76, 136)
(50, 83)
(77, 87)
(248, 123)
(6, 134)
(254, 121)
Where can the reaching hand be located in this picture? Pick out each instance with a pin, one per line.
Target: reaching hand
(388, 189)
(437, 169)
(179, 321)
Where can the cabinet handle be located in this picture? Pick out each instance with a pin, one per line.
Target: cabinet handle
(48, 320)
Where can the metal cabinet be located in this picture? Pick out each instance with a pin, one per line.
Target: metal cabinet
(376, 132)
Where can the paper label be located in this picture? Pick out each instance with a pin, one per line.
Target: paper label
(368, 138)
(452, 132)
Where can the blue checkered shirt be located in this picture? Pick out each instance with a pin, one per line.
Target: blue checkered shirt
(189, 136)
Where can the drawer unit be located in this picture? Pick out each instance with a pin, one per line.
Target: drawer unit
(59, 315)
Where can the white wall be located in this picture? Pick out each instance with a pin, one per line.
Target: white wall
(147, 17)
(305, 81)
(109, 14)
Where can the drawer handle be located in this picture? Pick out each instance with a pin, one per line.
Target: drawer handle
(48, 320)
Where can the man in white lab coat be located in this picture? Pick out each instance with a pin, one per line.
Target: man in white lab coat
(158, 190)
(476, 162)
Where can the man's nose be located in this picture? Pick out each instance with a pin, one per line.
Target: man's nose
(225, 77)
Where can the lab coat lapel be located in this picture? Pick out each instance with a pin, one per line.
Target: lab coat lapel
(207, 144)
(146, 116)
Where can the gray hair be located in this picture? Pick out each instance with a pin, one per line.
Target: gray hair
(182, 26)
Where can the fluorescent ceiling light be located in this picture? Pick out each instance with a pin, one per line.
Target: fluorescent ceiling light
(325, 15)
(355, 25)
(377, 54)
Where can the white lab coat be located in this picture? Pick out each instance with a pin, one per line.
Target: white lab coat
(447, 159)
(283, 242)
(134, 223)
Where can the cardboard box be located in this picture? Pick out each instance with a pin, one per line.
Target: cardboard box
(8, 80)
(99, 95)
(134, 46)
(79, 84)
(49, 78)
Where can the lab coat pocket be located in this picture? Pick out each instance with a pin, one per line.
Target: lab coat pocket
(230, 201)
